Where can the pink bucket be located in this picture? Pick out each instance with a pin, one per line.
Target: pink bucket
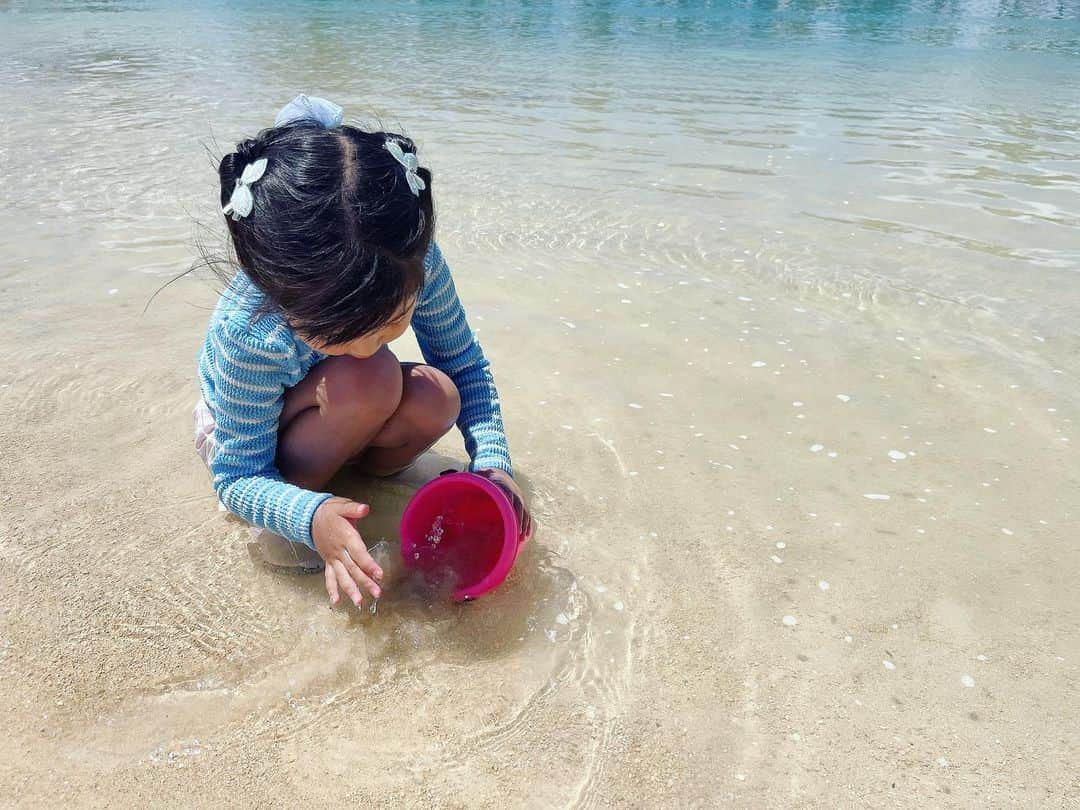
(465, 525)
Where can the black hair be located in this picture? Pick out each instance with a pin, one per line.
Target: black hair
(336, 238)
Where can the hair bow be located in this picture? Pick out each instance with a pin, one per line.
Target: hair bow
(241, 201)
(329, 114)
(409, 161)
(310, 108)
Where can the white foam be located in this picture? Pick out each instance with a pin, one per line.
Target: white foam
(967, 681)
(843, 397)
(816, 448)
(897, 455)
(875, 496)
(889, 665)
(823, 585)
(790, 621)
(758, 364)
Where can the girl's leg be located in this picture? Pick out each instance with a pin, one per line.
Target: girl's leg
(334, 413)
(429, 407)
(376, 412)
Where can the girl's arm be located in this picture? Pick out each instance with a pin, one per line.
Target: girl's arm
(249, 379)
(448, 343)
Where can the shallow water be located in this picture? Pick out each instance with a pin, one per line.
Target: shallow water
(782, 300)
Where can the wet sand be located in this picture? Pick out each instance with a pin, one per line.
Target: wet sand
(825, 557)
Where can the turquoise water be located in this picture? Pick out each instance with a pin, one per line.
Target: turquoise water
(852, 147)
(782, 303)
(965, 112)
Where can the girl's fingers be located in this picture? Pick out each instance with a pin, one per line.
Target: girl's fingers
(363, 559)
(371, 568)
(357, 551)
(347, 584)
(361, 578)
(520, 511)
(355, 511)
(331, 584)
(509, 493)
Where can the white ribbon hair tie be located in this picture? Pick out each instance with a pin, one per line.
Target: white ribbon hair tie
(408, 160)
(310, 108)
(241, 202)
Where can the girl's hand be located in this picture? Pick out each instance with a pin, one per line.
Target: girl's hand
(348, 564)
(502, 479)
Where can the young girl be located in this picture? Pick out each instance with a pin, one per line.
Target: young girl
(332, 229)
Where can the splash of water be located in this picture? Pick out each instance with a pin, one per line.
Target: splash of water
(435, 534)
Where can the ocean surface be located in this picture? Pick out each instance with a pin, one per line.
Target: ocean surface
(783, 300)
(909, 149)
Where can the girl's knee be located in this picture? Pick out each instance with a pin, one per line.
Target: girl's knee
(433, 399)
(372, 386)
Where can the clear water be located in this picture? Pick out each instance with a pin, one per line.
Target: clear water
(921, 145)
(743, 269)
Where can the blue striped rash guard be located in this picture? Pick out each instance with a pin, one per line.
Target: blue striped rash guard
(249, 359)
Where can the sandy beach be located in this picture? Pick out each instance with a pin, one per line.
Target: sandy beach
(790, 384)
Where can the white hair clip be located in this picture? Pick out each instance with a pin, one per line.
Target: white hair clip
(310, 108)
(241, 202)
(408, 160)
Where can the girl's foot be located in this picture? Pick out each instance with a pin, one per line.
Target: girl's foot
(281, 555)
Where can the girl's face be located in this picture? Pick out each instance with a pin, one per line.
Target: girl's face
(367, 345)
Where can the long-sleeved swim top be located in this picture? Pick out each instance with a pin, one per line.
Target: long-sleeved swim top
(249, 359)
